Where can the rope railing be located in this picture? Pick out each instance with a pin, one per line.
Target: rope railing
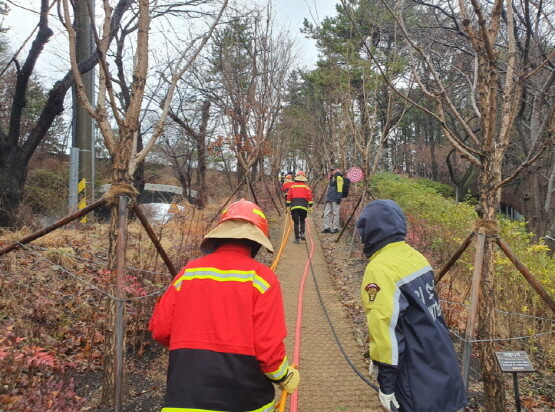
(89, 284)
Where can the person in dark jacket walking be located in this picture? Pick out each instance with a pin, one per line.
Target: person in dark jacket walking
(333, 200)
(223, 320)
(412, 355)
(299, 202)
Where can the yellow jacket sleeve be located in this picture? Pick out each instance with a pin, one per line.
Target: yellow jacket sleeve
(379, 294)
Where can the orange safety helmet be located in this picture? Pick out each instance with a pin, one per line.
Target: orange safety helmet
(301, 173)
(246, 210)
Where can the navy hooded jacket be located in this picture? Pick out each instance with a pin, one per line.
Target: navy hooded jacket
(409, 340)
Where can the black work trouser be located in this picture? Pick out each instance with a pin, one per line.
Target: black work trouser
(298, 215)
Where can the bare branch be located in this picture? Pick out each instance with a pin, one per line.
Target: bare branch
(178, 73)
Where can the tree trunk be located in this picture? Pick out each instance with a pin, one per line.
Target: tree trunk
(120, 175)
(202, 195)
(488, 205)
(13, 173)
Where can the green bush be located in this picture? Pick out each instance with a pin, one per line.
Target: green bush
(441, 188)
(437, 227)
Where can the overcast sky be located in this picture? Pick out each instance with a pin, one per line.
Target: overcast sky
(289, 14)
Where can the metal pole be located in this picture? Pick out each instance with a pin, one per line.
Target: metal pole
(517, 394)
(73, 177)
(473, 308)
(82, 121)
(121, 246)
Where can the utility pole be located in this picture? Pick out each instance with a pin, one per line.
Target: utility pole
(82, 162)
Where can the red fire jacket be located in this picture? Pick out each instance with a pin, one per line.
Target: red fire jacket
(223, 320)
(299, 196)
(285, 187)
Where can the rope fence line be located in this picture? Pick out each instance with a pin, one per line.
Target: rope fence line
(82, 259)
(502, 339)
(503, 311)
(89, 284)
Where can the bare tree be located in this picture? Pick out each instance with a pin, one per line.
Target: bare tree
(251, 65)
(199, 135)
(119, 126)
(18, 144)
(497, 83)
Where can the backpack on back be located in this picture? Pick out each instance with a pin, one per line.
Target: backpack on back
(346, 186)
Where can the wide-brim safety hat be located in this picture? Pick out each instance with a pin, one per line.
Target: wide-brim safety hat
(246, 221)
(235, 229)
(300, 178)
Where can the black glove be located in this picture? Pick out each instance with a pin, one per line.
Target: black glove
(338, 201)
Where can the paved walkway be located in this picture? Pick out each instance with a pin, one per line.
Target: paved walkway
(328, 383)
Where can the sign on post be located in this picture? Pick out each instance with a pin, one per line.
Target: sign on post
(514, 362)
(355, 174)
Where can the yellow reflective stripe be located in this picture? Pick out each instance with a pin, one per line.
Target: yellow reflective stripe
(339, 181)
(223, 276)
(259, 212)
(266, 408)
(280, 372)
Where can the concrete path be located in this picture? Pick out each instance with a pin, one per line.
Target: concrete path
(328, 383)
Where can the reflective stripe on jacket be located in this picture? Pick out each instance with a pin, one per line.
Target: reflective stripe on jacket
(299, 196)
(223, 320)
(335, 188)
(285, 187)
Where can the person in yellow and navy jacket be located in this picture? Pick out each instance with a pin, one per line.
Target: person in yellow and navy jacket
(333, 200)
(411, 353)
(223, 320)
(299, 202)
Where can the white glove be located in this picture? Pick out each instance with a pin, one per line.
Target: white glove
(373, 370)
(387, 400)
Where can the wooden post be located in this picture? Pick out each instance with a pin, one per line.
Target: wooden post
(527, 274)
(144, 221)
(271, 197)
(62, 222)
(252, 191)
(473, 307)
(455, 257)
(225, 203)
(350, 217)
(121, 246)
(323, 194)
(352, 243)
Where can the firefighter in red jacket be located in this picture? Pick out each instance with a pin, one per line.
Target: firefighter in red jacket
(288, 182)
(299, 202)
(223, 320)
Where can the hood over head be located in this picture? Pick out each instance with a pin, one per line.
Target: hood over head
(380, 223)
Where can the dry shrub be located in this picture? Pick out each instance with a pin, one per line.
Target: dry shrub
(63, 256)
